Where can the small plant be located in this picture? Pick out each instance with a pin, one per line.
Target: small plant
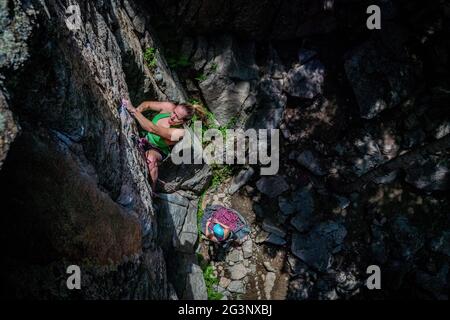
(220, 174)
(211, 281)
(213, 67)
(178, 62)
(200, 213)
(150, 57)
(223, 129)
(194, 101)
(200, 78)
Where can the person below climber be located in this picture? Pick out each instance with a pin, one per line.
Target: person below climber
(163, 131)
(216, 231)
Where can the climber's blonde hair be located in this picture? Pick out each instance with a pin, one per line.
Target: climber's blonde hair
(193, 109)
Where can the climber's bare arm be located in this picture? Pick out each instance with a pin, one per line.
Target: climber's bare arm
(156, 106)
(171, 134)
(210, 235)
(207, 233)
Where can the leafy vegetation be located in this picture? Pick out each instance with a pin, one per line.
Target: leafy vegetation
(210, 279)
(150, 57)
(200, 213)
(179, 62)
(211, 121)
(201, 77)
(194, 101)
(220, 174)
(212, 69)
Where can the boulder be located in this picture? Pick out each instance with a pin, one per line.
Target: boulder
(387, 178)
(269, 283)
(230, 73)
(275, 239)
(238, 271)
(299, 289)
(300, 200)
(435, 284)
(408, 239)
(247, 248)
(261, 237)
(369, 154)
(195, 284)
(441, 243)
(297, 267)
(8, 128)
(303, 202)
(240, 180)
(236, 286)
(378, 245)
(305, 55)
(270, 227)
(177, 218)
(310, 162)
(190, 177)
(189, 233)
(224, 282)
(305, 81)
(234, 256)
(270, 101)
(347, 283)
(430, 174)
(379, 80)
(268, 266)
(272, 186)
(317, 247)
(413, 138)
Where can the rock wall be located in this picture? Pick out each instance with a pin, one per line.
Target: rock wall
(262, 20)
(75, 186)
(365, 144)
(365, 125)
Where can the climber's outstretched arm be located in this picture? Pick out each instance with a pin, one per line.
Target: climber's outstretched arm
(210, 235)
(156, 106)
(171, 134)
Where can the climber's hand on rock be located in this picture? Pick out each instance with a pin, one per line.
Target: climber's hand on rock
(132, 110)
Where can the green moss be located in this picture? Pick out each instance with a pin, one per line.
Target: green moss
(150, 57)
(2, 122)
(200, 213)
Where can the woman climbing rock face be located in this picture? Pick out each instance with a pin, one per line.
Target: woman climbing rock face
(163, 131)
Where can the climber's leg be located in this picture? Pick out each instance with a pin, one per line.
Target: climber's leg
(153, 158)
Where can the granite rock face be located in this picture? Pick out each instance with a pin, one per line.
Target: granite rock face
(74, 179)
(259, 20)
(8, 128)
(364, 152)
(379, 80)
(318, 246)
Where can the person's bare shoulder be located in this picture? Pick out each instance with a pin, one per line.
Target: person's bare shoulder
(166, 106)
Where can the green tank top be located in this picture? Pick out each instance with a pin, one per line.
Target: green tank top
(156, 140)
